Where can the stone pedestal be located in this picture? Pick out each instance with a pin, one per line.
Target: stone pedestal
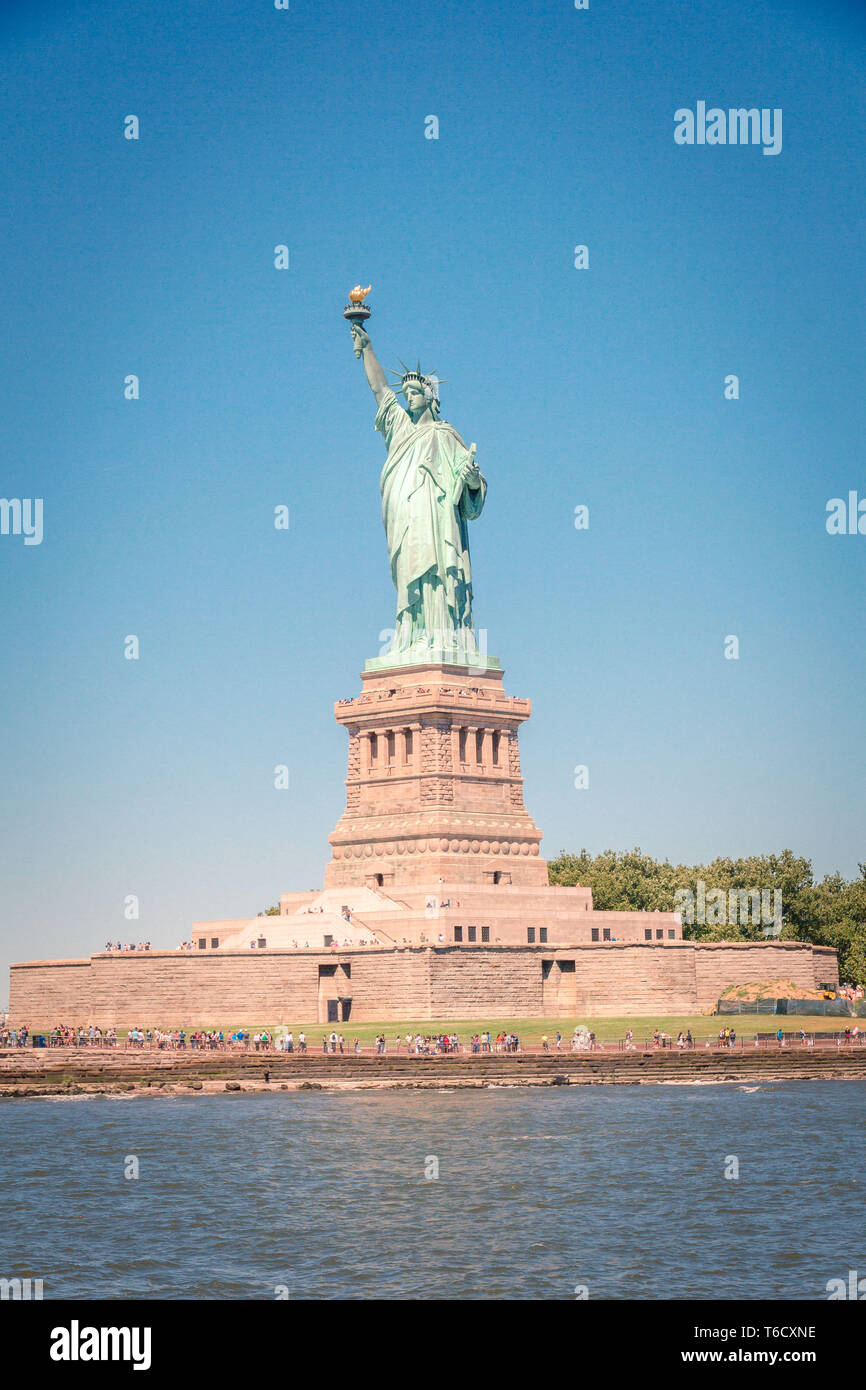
(434, 791)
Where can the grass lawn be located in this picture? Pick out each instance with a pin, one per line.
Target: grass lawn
(530, 1030)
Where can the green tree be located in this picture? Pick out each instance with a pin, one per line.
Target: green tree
(829, 913)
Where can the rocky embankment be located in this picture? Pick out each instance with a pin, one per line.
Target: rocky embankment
(96, 1071)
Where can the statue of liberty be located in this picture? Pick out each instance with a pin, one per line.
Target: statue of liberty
(431, 488)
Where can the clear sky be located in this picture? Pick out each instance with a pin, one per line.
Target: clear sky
(602, 387)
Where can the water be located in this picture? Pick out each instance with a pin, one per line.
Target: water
(619, 1189)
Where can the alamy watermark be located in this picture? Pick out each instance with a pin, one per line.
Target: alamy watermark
(22, 516)
(718, 907)
(736, 126)
(853, 1288)
(77, 1343)
(846, 517)
(20, 1290)
(457, 644)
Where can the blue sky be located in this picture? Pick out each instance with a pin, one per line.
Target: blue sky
(602, 387)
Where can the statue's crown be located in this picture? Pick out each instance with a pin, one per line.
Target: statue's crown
(428, 381)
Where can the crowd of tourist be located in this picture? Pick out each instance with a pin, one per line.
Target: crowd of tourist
(433, 1044)
(201, 1039)
(683, 1040)
(441, 1044)
(159, 1038)
(61, 1036)
(415, 1044)
(130, 946)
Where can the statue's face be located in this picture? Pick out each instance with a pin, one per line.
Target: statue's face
(416, 401)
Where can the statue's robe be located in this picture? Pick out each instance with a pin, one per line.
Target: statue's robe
(425, 510)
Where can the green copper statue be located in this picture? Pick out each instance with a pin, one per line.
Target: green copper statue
(431, 488)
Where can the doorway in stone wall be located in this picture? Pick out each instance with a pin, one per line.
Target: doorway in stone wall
(558, 987)
(567, 987)
(335, 997)
(327, 994)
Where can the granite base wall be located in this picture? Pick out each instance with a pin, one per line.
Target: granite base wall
(235, 988)
(718, 965)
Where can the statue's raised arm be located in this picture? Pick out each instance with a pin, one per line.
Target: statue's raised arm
(376, 378)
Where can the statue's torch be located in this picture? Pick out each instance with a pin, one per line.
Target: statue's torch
(356, 311)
